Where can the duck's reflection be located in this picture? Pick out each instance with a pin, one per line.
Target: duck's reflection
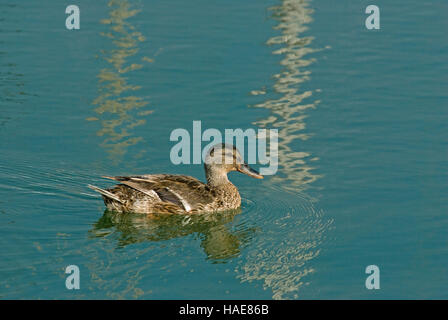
(219, 241)
(118, 107)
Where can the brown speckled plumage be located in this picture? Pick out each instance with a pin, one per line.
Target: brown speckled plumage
(177, 194)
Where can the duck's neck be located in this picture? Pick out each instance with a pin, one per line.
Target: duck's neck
(216, 177)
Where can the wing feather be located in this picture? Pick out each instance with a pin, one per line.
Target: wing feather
(184, 191)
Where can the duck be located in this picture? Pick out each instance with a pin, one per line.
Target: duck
(180, 194)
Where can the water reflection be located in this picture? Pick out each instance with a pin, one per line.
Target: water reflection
(288, 107)
(119, 109)
(218, 241)
(296, 229)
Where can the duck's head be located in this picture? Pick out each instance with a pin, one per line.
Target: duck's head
(223, 158)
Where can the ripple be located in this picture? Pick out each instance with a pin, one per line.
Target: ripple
(272, 238)
(291, 232)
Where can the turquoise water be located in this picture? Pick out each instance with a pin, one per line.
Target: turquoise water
(361, 116)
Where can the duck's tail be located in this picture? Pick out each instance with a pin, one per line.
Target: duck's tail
(106, 193)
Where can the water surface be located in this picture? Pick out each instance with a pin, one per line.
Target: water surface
(362, 147)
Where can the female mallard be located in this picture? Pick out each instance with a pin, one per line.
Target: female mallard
(168, 193)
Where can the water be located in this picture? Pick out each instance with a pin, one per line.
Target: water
(363, 162)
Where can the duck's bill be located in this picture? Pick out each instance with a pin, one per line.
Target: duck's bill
(244, 168)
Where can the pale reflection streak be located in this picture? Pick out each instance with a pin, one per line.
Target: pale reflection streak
(284, 262)
(287, 111)
(118, 108)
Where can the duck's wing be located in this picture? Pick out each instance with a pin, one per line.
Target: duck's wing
(184, 191)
